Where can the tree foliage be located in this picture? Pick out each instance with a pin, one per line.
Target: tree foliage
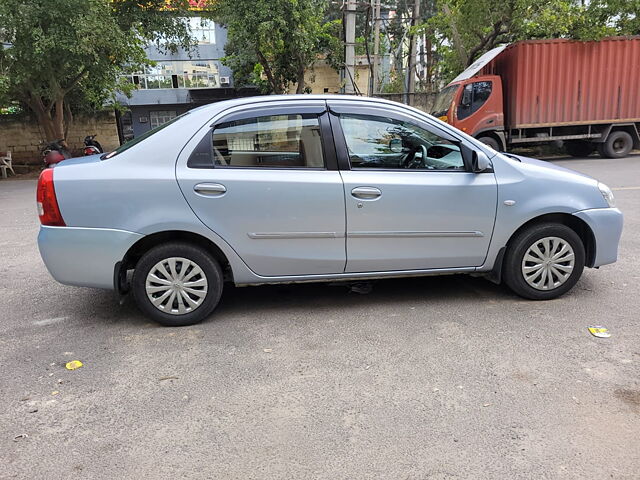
(64, 56)
(273, 42)
(464, 29)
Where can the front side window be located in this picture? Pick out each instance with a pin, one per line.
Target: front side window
(380, 142)
(269, 141)
(474, 96)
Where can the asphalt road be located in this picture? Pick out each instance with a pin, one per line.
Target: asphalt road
(436, 378)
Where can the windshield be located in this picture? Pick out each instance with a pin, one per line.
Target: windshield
(443, 101)
(144, 136)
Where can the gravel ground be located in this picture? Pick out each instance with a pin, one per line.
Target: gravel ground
(435, 378)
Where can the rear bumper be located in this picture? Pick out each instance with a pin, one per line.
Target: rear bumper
(606, 225)
(84, 257)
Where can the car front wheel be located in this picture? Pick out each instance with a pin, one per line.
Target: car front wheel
(177, 284)
(544, 261)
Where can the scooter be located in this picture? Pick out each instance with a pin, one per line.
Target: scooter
(53, 153)
(91, 145)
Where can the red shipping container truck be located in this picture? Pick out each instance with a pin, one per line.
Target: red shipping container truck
(586, 94)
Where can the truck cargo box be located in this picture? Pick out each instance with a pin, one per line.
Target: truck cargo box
(565, 82)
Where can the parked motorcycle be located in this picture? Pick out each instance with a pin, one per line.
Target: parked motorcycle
(53, 153)
(91, 145)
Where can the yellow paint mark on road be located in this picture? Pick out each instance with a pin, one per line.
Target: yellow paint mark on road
(625, 188)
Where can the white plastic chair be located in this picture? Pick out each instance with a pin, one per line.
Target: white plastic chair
(5, 163)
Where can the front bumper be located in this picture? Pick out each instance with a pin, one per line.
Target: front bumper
(606, 225)
(84, 257)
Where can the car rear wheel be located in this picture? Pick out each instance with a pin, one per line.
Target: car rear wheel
(544, 261)
(617, 145)
(177, 284)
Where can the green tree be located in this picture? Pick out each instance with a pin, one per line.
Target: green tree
(68, 55)
(280, 39)
(462, 30)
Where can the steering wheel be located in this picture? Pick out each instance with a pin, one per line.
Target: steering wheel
(412, 162)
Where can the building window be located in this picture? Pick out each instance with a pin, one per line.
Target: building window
(159, 117)
(196, 73)
(203, 30)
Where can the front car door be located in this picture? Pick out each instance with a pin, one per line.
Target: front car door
(411, 204)
(265, 179)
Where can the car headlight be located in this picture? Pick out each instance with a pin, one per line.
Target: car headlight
(607, 194)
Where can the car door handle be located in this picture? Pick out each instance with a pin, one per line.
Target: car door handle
(210, 189)
(366, 193)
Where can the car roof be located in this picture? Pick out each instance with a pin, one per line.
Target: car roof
(235, 102)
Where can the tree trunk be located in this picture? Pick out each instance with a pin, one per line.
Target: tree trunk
(300, 87)
(275, 86)
(52, 125)
(58, 123)
(456, 37)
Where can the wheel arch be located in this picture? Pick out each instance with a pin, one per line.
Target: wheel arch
(148, 242)
(576, 224)
(631, 129)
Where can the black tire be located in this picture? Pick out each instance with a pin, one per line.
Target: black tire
(518, 247)
(491, 142)
(197, 255)
(579, 148)
(617, 145)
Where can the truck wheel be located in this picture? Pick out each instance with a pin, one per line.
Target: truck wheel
(544, 261)
(617, 145)
(177, 284)
(579, 148)
(491, 142)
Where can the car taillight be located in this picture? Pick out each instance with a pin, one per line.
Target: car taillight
(48, 209)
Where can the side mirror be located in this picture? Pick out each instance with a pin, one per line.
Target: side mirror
(475, 161)
(480, 162)
(395, 145)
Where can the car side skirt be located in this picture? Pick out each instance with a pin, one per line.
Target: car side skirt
(356, 276)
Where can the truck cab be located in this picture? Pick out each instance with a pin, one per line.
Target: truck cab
(475, 106)
(545, 91)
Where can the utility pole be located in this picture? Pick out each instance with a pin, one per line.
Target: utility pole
(411, 64)
(349, 46)
(376, 46)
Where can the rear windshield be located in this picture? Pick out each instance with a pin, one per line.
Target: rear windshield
(144, 136)
(443, 101)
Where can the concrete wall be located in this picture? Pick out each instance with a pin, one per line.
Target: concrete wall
(23, 136)
(322, 77)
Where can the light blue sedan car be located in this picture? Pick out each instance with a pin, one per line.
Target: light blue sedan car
(282, 189)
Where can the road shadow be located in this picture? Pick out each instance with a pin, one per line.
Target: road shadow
(102, 306)
(449, 288)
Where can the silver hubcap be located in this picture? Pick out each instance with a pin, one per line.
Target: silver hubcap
(548, 263)
(176, 285)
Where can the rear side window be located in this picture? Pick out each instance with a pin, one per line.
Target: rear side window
(269, 141)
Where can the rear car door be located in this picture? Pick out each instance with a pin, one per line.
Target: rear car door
(411, 203)
(265, 179)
